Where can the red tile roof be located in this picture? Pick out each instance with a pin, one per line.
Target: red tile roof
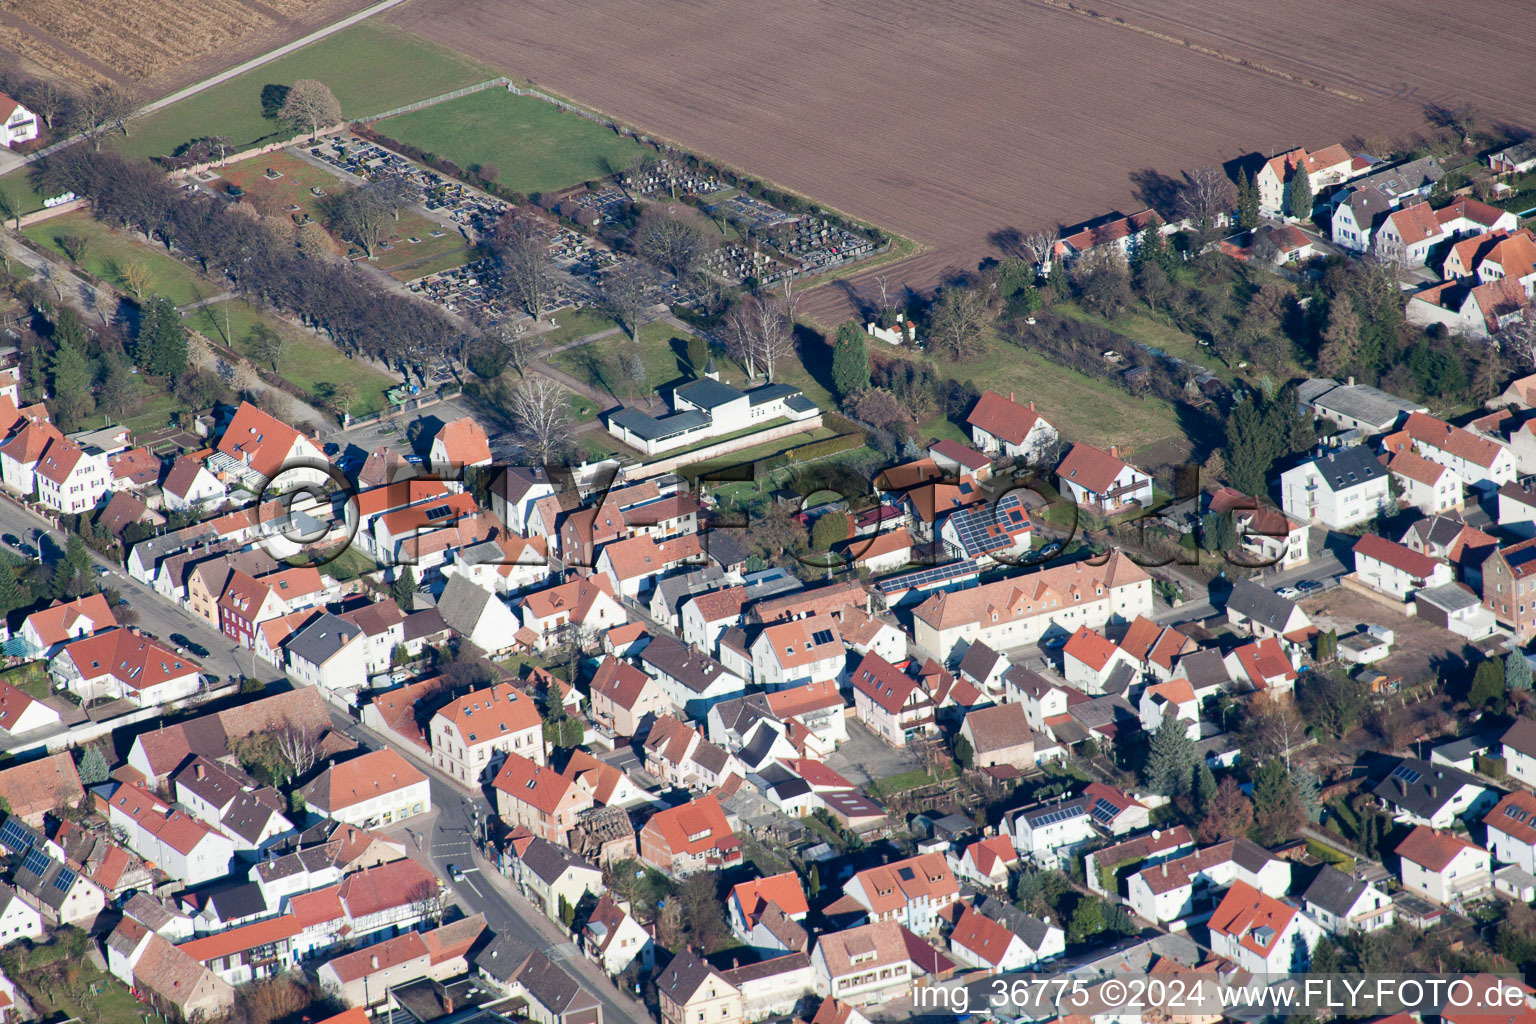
(1090, 467)
(783, 889)
(260, 440)
(349, 783)
(1394, 554)
(464, 442)
(132, 659)
(983, 937)
(883, 682)
(695, 827)
(1003, 418)
(1089, 647)
(1244, 910)
(1431, 849)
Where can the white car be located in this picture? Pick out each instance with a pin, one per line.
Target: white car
(1289, 593)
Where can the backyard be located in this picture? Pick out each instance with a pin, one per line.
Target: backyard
(61, 981)
(536, 146)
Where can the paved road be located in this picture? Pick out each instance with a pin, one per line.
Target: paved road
(444, 837)
(156, 615)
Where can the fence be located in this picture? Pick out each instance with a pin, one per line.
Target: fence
(434, 100)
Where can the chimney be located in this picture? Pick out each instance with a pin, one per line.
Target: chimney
(1010, 396)
(1431, 790)
(1402, 787)
(1114, 450)
(1031, 405)
(375, 961)
(197, 769)
(1351, 382)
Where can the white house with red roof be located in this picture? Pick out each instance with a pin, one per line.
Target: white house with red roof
(696, 836)
(1327, 166)
(1267, 535)
(378, 788)
(913, 892)
(459, 445)
(585, 601)
(48, 630)
(1389, 568)
(1444, 867)
(1090, 661)
(1171, 889)
(1101, 481)
(124, 664)
(991, 946)
(191, 484)
(1511, 829)
(1174, 699)
(257, 446)
(1408, 234)
(173, 840)
(471, 734)
(21, 452)
(1113, 234)
(1000, 424)
(1263, 934)
(1481, 461)
(759, 909)
(72, 478)
(22, 713)
(890, 702)
(986, 862)
(799, 652)
(1427, 486)
(1263, 664)
(20, 124)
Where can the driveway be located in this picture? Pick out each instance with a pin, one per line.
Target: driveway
(865, 756)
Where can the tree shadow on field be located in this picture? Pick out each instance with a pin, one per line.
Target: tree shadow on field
(1157, 190)
(1008, 241)
(272, 99)
(862, 305)
(815, 355)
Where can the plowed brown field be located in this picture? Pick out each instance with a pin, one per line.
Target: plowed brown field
(947, 121)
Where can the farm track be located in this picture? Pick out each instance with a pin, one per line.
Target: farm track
(949, 122)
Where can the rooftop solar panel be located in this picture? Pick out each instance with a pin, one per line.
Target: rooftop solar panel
(36, 861)
(1407, 774)
(64, 881)
(15, 836)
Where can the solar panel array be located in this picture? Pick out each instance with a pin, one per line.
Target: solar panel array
(434, 514)
(1407, 774)
(1104, 811)
(1058, 814)
(65, 880)
(16, 836)
(931, 576)
(990, 528)
(822, 636)
(36, 861)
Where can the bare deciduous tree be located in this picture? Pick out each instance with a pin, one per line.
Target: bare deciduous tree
(759, 334)
(1205, 197)
(300, 745)
(957, 320)
(46, 99)
(1039, 245)
(518, 343)
(543, 416)
(674, 238)
(622, 295)
(521, 246)
(104, 108)
(359, 217)
(427, 901)
(310, 104)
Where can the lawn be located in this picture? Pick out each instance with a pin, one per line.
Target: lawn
(536, 146)
(604, 363)
(109, 253)
(72, 987)
(18, 188)
(573, 324)
(407, 260)
(370, 68)
(1082, 408)
(292, 188)
(746, 456)
(307, 361)
(155, 413)
(31, 678)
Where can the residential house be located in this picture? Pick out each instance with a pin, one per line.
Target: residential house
(1106, 868)
(1101, 481)
(1260, 665)
(1408, 234)
(1427, 486)
(1262, 934)
(470, 734)
(991, 946)
(191, 485)
(1509, 587)
(765, 913)
(1342, 903)
(175, 841)
(1389, 568)
(872, 963)
(1023, 609)
(166, 978)
(539, 798)
(999, 424)
(1324, 168)
(692, 837)
(33, 789)
(986, 862)
(72, 478)
(21, 713)
(1416, 792)
(692, 681)
(705, 616)
(773, 987)
(1517, 159)
(377, 788)
(123, 664)
(50, 629)
(1339, 490)
(1266, 536)
(691, 991)
(1261, 612)
(22, 451)
(1049, 834)
(613, 939)
(1094, 664)
(1511, 829)
(1185, 885)
(624, 699)
(1447, 537)
(798, 652)
(1480, 461)
(584, 603)
(999, 734)
(229, 800)
(383, 627)
(478, 615)
(1443, 867)
(461, 444)
(890, 702)
(1113, 234)
(256, 447)
(552, 876)
(20, 124)
(329, 652)
(18, 919)
(913, 892)
(1518, 748)
(1174, 699)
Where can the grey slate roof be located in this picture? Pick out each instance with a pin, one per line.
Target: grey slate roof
(1422, 788)
(707, 394)
(1205, 668)
(1451, 597)
(503, 957)
(554, 989)
(649, 428)
(1348, 468)
(797, 961)
(1367, 404)
(237, 901)
(694, 670)
(462, 603)
(1404, 178)
(1250, 855)
(979, 661)
(1334, 891)
(683, 976)
(1026, 926)
(550, 860)
(323, 639)
(1260, 604)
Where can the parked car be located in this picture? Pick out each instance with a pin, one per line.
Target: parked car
(1289, 593)
(197, 649)
(11, 540)
(1307, 586)
(455, 874)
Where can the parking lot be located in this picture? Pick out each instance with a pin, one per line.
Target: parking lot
(864, 756)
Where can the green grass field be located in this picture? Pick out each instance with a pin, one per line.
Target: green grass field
(603, 363)
(370, 67)
(109, 253)
(307, 361)
(536, 146)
